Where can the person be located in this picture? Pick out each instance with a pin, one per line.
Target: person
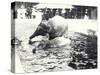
(63, 12)
(29, 12)
(33, 13)
(21, 12)
(86, 14)
(57, 12)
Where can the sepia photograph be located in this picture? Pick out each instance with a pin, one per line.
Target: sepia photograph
(49, 37)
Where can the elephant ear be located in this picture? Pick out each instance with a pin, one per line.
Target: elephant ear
(56, 22)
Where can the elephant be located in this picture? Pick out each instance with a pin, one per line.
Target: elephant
(55, 27)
